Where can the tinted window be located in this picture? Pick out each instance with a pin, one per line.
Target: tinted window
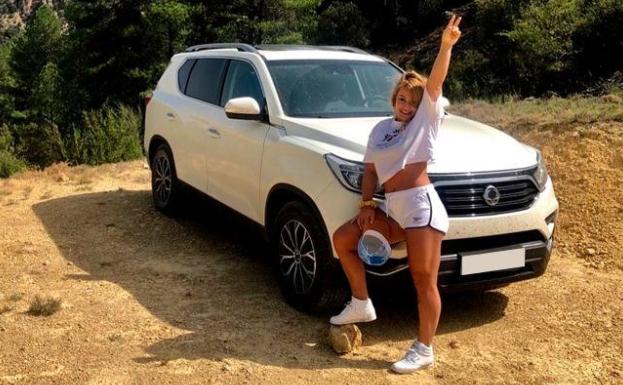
(182, 74)
(204, 82)
(334, 88)
(241, 81)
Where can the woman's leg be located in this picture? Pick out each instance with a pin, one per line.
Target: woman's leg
(424, 255)
(345, 240)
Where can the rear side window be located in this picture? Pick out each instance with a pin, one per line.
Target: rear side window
(204, 82)
(182, 74)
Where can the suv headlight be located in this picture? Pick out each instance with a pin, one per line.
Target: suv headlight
(348, 172)
(540, 173)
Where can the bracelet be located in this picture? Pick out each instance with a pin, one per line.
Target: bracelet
(369, 203)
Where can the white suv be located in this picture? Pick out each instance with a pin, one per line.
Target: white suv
(278, 133)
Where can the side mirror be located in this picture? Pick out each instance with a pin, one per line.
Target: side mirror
(245, 108)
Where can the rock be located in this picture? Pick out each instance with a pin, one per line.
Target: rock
(345, 338)
(590, 251)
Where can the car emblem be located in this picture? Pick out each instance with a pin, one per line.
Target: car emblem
(491, 195)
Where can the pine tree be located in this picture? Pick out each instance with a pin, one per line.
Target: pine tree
(39, 44)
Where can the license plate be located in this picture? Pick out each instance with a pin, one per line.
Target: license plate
(492, 261)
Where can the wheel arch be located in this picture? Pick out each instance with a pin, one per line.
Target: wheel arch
(282, 193)
(154, 143)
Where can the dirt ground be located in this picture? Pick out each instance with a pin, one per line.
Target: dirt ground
(147, 299)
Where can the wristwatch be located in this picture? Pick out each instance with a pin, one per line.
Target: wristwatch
(369, 203)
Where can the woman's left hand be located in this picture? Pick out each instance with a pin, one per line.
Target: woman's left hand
(451, 33)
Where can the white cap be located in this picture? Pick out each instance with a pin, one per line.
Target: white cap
(373, 248)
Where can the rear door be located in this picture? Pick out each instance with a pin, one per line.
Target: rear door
(235, 153)
(200, 112)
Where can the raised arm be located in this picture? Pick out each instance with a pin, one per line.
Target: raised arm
(450, 36)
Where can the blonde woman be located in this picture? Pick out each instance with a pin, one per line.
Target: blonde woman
(397, 156)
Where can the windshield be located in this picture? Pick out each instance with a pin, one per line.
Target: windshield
(334, 88)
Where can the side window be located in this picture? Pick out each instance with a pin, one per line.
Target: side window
(204, 82)
(182, 74)
(241, 81)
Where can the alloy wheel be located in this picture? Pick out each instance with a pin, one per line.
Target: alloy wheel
(297, 256)
(163, 179)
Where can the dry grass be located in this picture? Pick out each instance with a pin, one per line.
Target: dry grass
(509, 113)
(46, 195)
(15, 297)
(27, 191)
(44, 306)
(83, 180)
(84, 188)
(5, 309)
(115, 337)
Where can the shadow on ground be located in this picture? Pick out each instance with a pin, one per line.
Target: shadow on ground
(208, 272)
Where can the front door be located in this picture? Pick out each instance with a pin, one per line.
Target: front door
(235, 155)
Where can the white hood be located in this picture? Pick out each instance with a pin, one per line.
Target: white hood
(463, 145)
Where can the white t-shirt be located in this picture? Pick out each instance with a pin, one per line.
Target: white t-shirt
(391, 145)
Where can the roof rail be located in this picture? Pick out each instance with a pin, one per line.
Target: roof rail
(344, 48)
(273, 47)
(284, 47)
(238, 46)
(281, 47)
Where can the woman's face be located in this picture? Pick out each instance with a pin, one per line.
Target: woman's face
(405, 107)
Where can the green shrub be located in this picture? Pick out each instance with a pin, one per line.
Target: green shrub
(7, 83)
(107, 135)
(6, 139)
(343, 24)
(45, 98)
(598, 39)
(39, 144)
(9, 164)
(543, 50)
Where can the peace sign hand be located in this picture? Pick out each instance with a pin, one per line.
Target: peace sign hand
(451, 33)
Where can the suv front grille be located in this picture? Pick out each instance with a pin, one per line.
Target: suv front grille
(465, 197)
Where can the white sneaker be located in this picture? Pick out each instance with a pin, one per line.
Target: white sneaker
(356, 310)
(419, 356)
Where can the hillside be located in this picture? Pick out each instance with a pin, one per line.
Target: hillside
(14, 13)
(191, 300)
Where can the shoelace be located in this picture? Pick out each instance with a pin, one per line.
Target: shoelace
(346, 307)
(413, 355)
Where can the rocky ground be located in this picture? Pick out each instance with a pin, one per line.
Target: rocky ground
(150, 299)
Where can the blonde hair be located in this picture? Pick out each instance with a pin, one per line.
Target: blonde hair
(413, 82)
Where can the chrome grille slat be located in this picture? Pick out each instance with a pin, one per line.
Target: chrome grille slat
(513, 186)
(485, 206)
(465, 198)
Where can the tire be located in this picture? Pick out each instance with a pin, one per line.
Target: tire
(310, 278)
(165, 188)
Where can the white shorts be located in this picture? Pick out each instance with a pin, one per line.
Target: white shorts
(416, 207)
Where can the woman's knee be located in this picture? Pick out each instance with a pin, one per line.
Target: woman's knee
(345, 237)
(424, 280)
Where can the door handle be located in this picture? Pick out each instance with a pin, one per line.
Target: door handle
(213, 132)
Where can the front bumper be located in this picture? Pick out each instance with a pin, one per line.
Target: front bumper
(531, 229)
(537, 249)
